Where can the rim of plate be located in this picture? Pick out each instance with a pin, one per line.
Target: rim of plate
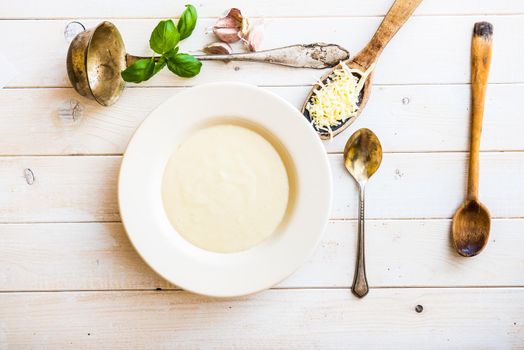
(156, 240)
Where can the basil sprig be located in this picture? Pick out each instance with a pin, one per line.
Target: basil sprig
(164, 41)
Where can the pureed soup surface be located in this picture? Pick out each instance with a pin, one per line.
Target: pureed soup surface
(225, 189)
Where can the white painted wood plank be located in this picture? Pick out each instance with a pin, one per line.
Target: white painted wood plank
(400, 253)
(437, 118)
(420, 185)
(267, 8)
(408, 185)
(46, 115)
(413, 253)
(406, 118)
(292, 319)
(85, 256)
(64, 189)
(432, 49)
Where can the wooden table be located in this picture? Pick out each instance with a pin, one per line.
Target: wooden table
(69, 278)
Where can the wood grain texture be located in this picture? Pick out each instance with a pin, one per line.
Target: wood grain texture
(438, 57)
(481, 52)
(84, 256)
(290, 319)
(400, 253)
(471, 222)
(72, 189)
(420, 185)
(406, 119)
(267, 8)
(398, 14)
(419, 104)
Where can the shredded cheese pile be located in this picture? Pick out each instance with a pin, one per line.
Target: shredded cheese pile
(336, 101)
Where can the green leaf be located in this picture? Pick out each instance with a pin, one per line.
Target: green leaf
(187, 22)
(184, 65)
(139, 71)
(164, 37)
(159, 65)
(171, 53)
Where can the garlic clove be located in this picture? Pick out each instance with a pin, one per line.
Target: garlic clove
(235, 14)
(227, 22)
(255, 38)
(218, 48)
(227, 35)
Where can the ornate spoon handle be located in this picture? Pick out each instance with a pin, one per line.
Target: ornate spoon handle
(318, 55)
(360, 283)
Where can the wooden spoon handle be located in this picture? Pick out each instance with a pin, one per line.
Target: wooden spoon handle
(480, 61)
(397, 15)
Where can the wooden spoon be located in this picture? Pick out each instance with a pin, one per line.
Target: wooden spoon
(397, 15)
(471, 222)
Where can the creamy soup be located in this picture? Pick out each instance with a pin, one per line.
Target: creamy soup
(225, 189)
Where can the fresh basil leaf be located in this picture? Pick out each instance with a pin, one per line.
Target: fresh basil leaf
(184, 65)
(187, 22)
(164, 37)
(139, 71)
(159, 65)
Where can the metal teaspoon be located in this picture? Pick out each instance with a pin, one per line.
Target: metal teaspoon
(362, 158)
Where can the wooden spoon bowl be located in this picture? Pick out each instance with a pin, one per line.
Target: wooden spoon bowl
(397, 15)
(363, 99)
(470, 228)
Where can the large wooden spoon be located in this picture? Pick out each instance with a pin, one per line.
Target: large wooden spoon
(397, 15)
(471, 222)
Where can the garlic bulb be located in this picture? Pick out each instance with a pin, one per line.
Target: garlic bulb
(232, 27)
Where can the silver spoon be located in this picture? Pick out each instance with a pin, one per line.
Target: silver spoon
(362, 158)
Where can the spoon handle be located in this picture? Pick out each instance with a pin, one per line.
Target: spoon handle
(480, 61)
(397, 15)
(318, 55)
(360, 283)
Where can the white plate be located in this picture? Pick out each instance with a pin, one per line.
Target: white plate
(186, 265)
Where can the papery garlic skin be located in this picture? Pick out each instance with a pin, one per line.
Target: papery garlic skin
(255, 38)
(244, 28)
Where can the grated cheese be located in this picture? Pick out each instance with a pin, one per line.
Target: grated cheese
(336, 101)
